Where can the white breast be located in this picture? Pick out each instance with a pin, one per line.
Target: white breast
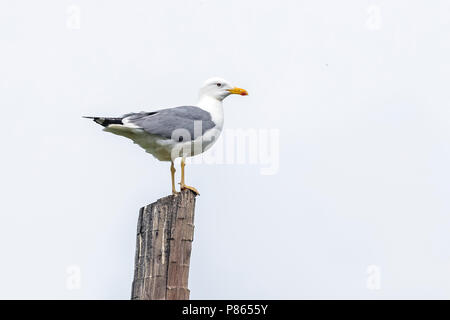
(214, 107)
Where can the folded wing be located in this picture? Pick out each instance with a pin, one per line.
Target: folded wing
(164, 122)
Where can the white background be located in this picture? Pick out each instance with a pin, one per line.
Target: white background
(359, 91)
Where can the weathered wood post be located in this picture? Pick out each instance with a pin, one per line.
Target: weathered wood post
(165, 233)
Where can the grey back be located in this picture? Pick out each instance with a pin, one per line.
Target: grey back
(168, 122)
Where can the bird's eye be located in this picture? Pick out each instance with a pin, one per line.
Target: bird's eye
(218, 84)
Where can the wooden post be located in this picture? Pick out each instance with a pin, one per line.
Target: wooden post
(165, 233)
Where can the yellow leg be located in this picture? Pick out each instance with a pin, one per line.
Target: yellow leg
(172, 173)
(182, 184)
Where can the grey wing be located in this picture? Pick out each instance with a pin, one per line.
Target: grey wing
(181, 123)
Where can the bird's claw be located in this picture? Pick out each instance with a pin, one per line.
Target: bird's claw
(184, 187)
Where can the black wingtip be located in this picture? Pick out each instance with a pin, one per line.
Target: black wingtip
(98, 120)
(105, 121)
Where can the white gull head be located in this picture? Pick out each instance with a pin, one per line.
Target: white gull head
(218, 89)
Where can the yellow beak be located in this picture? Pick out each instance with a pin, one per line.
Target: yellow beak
(237, 90)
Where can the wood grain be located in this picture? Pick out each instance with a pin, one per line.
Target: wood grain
(165, 233)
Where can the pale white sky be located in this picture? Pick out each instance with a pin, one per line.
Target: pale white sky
(358, 91)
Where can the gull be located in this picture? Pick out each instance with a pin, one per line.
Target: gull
(177, 132)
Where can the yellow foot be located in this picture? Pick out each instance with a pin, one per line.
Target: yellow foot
(174, 192)
(184, 187)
